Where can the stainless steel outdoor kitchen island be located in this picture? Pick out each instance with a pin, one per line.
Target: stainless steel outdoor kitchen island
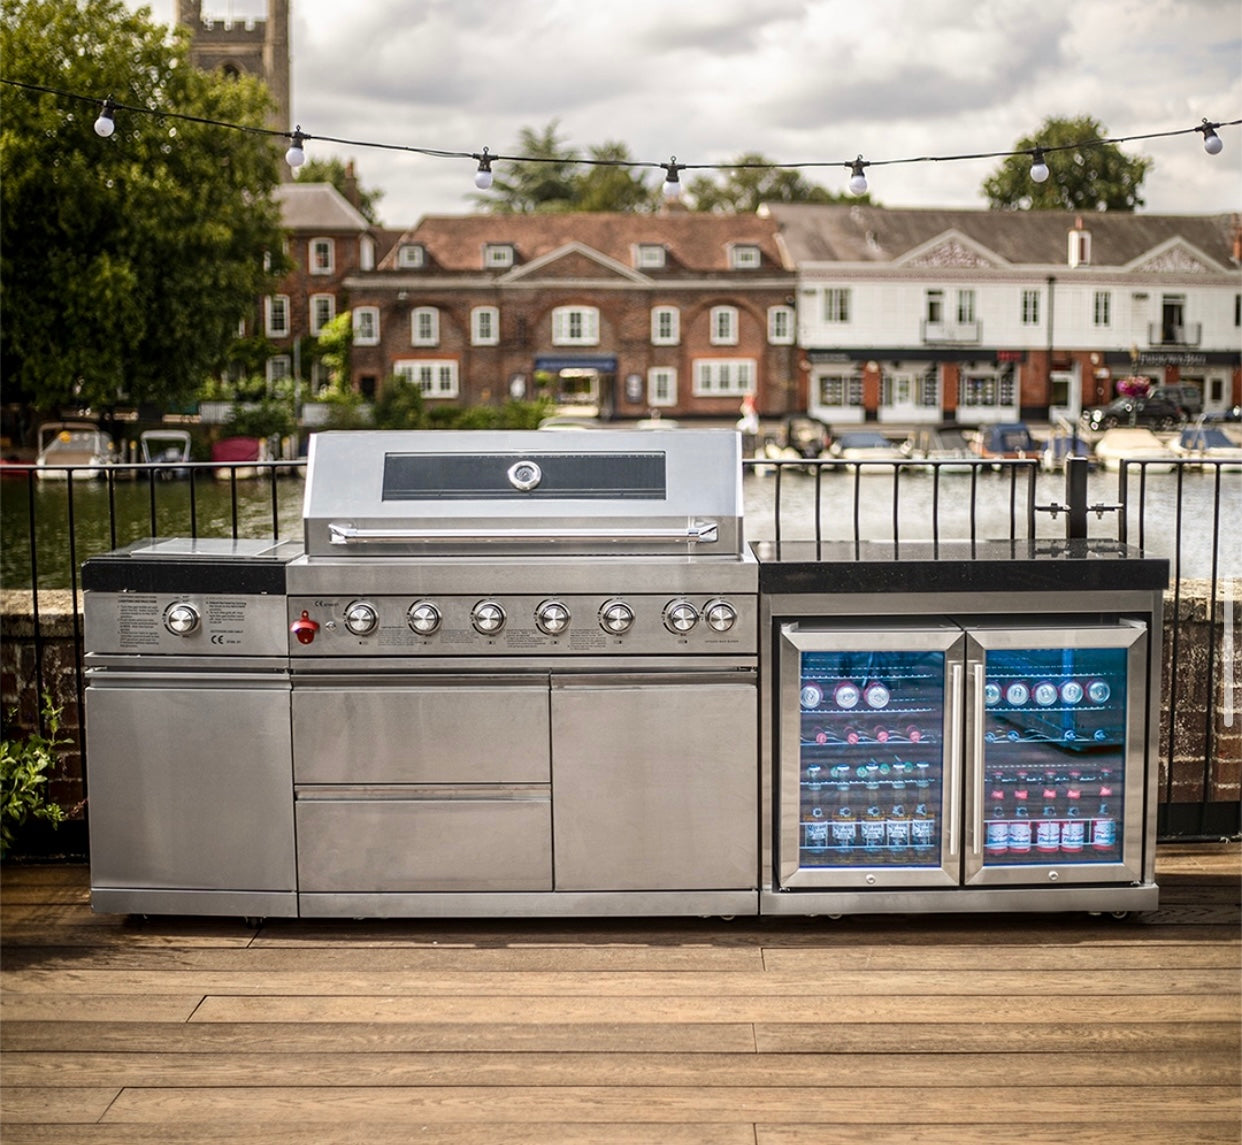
(525, 674)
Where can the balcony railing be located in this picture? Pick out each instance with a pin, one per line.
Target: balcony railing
(1175, 334)
(952, 333)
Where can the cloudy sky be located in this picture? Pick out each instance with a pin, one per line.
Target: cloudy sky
(798, 80)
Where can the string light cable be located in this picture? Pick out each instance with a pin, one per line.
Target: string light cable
(295, 155)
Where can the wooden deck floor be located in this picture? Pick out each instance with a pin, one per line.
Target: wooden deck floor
(953, 1029)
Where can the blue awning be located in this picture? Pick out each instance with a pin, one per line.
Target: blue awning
(605, 365)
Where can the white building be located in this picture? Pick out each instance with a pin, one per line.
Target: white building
(979, 316)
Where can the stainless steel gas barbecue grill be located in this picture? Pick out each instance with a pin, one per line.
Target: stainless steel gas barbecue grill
(511, 673)
(523, 675)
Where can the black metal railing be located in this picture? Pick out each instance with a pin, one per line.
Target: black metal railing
(954, 500)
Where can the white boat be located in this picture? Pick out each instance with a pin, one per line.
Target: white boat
(1209, 443)
(1133, 444)
(168, 448)
(78, 443)
(865, 445)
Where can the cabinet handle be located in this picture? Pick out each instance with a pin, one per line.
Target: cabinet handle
(976, 844)
(954, 761)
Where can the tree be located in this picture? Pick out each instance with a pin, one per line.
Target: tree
(613, 183)
(544, 182)
(1086, 176)
(341, 176)
(126, 263)
(751, 180)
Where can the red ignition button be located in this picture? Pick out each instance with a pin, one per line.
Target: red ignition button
(304, 628)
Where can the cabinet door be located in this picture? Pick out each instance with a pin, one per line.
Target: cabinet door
(1056, 723)
(654, 782)
(868, 784)
(200, 798)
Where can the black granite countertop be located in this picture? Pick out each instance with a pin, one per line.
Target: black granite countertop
(955, 566)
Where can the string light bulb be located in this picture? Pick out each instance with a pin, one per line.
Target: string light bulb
(1212, 143)
(1039, 169)
(483, 176)
(672, 179)
(858, 180)
(295, 156)
(105, 125)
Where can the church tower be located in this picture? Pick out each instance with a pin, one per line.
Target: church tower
(244, 47)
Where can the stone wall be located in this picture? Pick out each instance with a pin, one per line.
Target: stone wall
(1206, 756)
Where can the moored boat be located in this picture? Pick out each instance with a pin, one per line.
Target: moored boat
(81, 444)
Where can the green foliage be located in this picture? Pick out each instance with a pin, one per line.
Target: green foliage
(25, 768)
(333, 343)
(336, 172)
(521, 188)
(740, 189)
(604, 187)
(126, 264)
(1096, 177)
(268, 417)
(400, 405)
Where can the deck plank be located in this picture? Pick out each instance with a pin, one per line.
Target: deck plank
(761, 1031)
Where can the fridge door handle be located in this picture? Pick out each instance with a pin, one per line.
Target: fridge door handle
(955, 761)
(976, 842)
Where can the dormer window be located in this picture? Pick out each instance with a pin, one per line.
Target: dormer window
(649, 256)
(412, 256)
(744, 256)
(1079, 251)
(497, 256)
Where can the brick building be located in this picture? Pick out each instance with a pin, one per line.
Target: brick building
(623, 313)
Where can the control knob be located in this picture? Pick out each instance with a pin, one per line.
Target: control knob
(423, 617)
(616, 617)
(552, 618)
(487, 617)
(720, 615)
(680, 616)
(181, 619)
(361, 618)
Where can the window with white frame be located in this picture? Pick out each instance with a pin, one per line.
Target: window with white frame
(424, 326)
(485, 326)
(662, 386)
(724, 326)
(1102, 308)
(724, 377)
(280, 366)
(665, 326)
(366, 322)
(840, 389)
(649, 256)
(497, 255)
(435, 378)
(744, 256)
(837, 304)
(934, 307)
(1030, 308)
(322, 311)
(276, 315)
(781, 325)
(322, 256)
(575, 326)
(987, 390)
(965, 306)
(366, 253)
(412, 256)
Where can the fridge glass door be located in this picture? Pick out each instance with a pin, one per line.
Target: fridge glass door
(869, 786)
(1055, 730)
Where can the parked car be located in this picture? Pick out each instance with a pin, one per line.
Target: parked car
(1010, 439)
(1150, 412)
(1187, 398)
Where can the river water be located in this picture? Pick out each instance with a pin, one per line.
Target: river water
(955, 497)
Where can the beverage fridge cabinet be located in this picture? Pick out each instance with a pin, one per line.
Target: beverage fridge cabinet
(933, 754)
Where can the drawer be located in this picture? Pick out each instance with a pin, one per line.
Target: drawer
(424, 732)
(393, 841)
